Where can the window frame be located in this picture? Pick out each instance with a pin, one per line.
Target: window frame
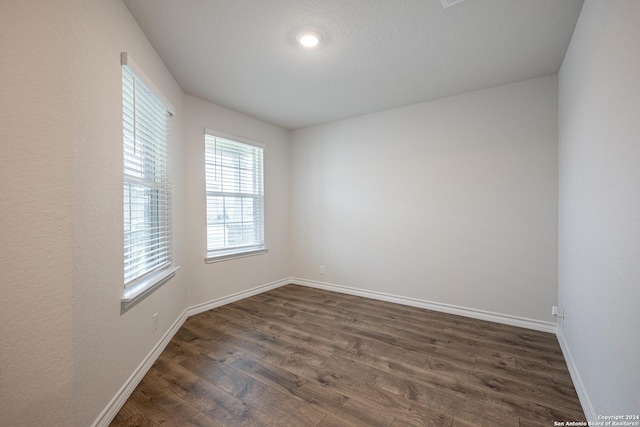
(158, 201)
(224, 254)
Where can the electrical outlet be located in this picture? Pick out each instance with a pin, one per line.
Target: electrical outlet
(323, 271)
(555, 312)
(155, 322)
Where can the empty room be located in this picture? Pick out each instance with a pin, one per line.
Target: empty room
(320, 213)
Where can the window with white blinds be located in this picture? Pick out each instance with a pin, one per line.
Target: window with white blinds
(235, 197)
(147, 196)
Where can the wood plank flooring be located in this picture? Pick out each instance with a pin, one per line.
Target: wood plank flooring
(297, 356)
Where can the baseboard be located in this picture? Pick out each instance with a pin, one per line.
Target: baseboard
(200, 308)
(108, 414)
(581, 390)
(111, 410)
(506, 319)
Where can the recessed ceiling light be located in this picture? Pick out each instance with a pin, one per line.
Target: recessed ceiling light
(308, 39)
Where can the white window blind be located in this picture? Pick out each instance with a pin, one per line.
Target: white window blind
(147, 198)
(235, 196)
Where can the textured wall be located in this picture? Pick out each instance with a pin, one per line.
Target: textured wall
(66, 348)
(452, 201)
(36, 352)
(599, 225)
(211, 281)
(109, 346)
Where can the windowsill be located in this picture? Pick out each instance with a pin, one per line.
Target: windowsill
(135, 293)
(225, 256)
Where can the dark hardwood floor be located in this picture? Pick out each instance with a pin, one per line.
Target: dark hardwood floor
(297, 356)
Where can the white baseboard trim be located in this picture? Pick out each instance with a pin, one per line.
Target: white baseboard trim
(108, 414)
(506, 319)
(581, 390)
(206, 306)
(111, 410)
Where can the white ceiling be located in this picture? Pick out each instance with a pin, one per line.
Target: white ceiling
(376, 54)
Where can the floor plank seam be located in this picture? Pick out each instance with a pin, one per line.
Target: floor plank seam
(297, 356)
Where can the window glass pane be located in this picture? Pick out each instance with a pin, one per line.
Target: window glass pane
(234, 184)
(147, 201)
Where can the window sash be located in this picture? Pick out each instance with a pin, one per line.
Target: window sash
(234, 196)
(147, 197)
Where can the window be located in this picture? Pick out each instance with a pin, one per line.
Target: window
(235, 197)
(147, 192)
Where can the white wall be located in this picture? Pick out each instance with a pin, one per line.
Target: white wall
(599, 221)
(211, 281)
(36, 351)
(452, 201)
(108, 346)
(66, 348)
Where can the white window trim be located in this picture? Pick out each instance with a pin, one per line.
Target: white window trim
(225, 256)
(213, 132)
(143, 287)
(140, 288)
(125, 59)
(245, 252)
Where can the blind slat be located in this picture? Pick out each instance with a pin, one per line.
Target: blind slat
(147, 198)
(235, 195)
